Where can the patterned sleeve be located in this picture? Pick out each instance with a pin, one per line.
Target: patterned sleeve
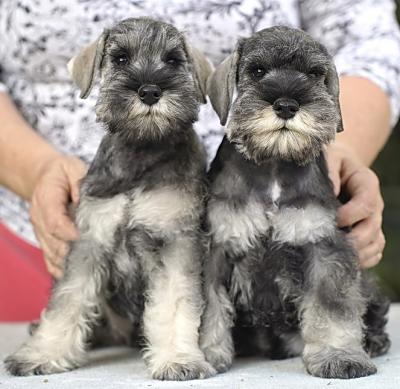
(364, 38)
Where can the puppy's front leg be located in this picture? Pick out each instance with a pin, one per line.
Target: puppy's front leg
(58, 344)
(172, 315)
(217, 322)
(332, 312)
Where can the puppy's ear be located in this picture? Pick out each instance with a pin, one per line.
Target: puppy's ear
(332, 83)
(201, 70)
(221, 85)
(86, 63)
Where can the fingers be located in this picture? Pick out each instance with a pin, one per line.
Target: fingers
(54, 251)
(365, 199)
(335, 178)
(363, 212)
(369, 242)
(366, 231)
(334, 170)
(49, 214)
(53, 227)
(76, 170)
(53, 262)
(60, 225)
(74, 192)
(372, 254)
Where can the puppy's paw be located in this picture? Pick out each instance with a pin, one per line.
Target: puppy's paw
(26, 362)
(24, 367)
(176, 371)
(337, 363)
(376, 345)
(220, 359)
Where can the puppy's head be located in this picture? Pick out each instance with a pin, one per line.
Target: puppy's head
(279, 93)
(151, 80)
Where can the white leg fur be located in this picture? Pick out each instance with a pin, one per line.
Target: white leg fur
(216, 338)
(59, 342)
(333, 346)
(172, 318)
(333, 334)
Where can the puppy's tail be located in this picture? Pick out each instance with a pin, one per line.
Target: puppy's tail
(376, 340)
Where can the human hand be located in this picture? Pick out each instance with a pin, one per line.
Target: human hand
(363, 211)
(57, 185)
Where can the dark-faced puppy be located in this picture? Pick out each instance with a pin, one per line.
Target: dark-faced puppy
(138, 260)
(280, 271)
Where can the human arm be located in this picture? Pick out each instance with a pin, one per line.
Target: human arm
(36, 171)
(364, 38)
(366, 116)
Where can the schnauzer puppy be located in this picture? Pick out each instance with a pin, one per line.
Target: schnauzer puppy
(280, 270)
(139, 256)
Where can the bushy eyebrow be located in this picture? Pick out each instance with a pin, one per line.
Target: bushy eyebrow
(176, 51)
(118, 50)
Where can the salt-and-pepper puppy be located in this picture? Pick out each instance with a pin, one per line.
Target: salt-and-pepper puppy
(280, 269)
(141, 204)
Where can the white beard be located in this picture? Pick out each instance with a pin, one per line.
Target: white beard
(277, 137)
(152, 120)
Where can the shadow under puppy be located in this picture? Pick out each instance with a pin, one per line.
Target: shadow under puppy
(139, 256)
(280, 270)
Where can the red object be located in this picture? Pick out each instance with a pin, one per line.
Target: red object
(24, 281)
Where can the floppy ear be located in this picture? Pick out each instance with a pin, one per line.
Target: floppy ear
(221, 85)
(201, 69)
(332, 83)
(86, 63)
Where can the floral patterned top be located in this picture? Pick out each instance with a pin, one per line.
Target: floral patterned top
(38, 37)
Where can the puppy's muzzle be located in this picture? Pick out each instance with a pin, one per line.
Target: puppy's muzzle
(286, 108)
(149, 93)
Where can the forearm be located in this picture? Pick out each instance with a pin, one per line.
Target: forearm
(23, 152)
(366, 118)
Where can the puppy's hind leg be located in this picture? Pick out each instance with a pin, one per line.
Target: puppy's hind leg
(376, 340)
(58, 344)
(172, 315)
(216, 330)
(331, 314)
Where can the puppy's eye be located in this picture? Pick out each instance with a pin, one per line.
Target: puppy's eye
(120, 60)
(258, 72)
(173, 59)
(316, 73)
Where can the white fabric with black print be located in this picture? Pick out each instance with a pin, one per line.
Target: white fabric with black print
(38, 37)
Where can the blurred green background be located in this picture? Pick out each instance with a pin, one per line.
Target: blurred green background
(387, 166)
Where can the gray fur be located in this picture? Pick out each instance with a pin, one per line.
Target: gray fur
(274, 52)
(281, 275)
(139, 256)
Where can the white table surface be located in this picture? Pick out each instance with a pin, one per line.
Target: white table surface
(123, 368)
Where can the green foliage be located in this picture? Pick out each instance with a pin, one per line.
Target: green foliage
(387, 167)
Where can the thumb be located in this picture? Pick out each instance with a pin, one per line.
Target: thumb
(334, 174)
(335, 178)
(75, 171)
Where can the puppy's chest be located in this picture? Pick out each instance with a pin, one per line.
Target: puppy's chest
(160, 210)
(242, 226)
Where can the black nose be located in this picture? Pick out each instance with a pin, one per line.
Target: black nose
(286, 108)
(149, 94)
